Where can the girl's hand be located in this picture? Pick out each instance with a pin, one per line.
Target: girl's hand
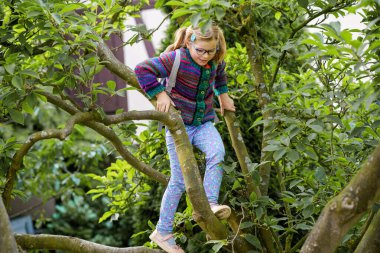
(163, 102)
(226, 103)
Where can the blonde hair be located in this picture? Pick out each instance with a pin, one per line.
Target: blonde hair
(183, 35)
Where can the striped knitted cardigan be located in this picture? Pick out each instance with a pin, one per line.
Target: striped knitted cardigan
(194, 88)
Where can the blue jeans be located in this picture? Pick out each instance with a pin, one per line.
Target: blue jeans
(206, 138)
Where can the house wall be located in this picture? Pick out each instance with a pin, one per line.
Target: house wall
(136, 53)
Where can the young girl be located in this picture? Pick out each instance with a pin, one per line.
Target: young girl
(201, 75)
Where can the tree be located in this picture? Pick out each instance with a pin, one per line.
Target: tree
(318, 112)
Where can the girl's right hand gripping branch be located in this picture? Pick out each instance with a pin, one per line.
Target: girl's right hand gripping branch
(163, 102)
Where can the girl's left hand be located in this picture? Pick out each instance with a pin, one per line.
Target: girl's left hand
(226, 103)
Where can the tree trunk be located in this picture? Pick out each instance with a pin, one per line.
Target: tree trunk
(262, 92)
(264, 98)
(343, 211)
(370, 242)
(7, 240)
(241, 152)
(193, 180)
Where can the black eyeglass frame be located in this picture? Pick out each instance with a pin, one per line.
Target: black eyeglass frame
(201, 51)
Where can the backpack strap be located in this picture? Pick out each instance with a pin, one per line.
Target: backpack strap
(172, 78)
(174, 71)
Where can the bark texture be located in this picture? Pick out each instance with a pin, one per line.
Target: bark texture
(7, 240)
(343, 211)
(241, 151)
(74, 245)
(264, 98)
(370, 242)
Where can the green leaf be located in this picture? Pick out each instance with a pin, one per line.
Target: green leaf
(311, 154)
(195, 18)
(151, 225)
(277, 155)
(241, 78)
(26, 107)
(180, 12)
(253, 197)
(294, 183)
(293, 155)
(236, 185)
(10, 68)
(277, 15)
(335, 119)
(206, 26)
(346, 35)
(159, 4)
(175, 3)
(308, 211)
(31, 99)
(57, 18)
(303, 3)
(71, 7)
(219, 13)
(259, 212)
(316, 128)
(303, 226)
(272, 148)
(92, 191)
(289, 44)
(256, 176)
(217, 247)
(320, 174)
(17, 82)
(29, 72)
(253, 240)
(34, 13)
(16, 116)
(105, 216)
(370, 131)
(246, 224)
(42, 98)
(111, 84)
(277, 227)
(224, 3)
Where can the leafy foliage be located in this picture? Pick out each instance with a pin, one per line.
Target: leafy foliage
(323, 90)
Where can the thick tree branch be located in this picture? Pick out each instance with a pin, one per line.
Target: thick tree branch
(263, 95)
(370, 242)
(7, 240)
(343, 211)
(113, 138)
(85, 119)
(72, 244)
(116, 66)
(193, 181)
(163, 117)
(241, 151)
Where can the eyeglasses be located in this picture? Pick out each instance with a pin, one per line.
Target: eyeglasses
(201, 51)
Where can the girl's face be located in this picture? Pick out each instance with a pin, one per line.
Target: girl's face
(202, 51)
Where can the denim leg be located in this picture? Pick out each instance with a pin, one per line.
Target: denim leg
(173, 192)
(208, 140)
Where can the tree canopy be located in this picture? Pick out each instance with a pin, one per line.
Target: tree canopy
(302, 159)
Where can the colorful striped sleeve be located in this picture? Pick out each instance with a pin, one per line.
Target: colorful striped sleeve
(220, 85)
(149, 70)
